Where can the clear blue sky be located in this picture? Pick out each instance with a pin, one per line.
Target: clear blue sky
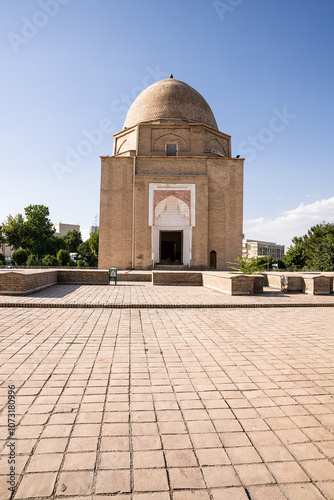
(67, 65)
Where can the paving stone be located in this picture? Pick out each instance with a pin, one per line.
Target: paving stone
(215, 388)
(150, 480)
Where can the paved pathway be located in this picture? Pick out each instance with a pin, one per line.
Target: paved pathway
(168, 404)
(146, 294)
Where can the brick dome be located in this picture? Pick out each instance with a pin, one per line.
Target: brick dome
(170, 100)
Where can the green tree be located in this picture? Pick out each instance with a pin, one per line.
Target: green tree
(86, 254)
(2, 236)
(72, 239)
(22, 233)
(50, 260)
(295, 257)
(320, 247)
(48, 246)
(314, 250)
(15, 232)
(63, 257)
(38, 223)
(94, 243)
(19, 257)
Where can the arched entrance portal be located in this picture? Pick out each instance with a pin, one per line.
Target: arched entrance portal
(170, 213)
(171, 216)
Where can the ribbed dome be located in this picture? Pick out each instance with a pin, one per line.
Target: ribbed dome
(170, 99)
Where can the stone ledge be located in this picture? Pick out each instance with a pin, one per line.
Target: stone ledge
(63, 305)
(184, 278)
(231, 284)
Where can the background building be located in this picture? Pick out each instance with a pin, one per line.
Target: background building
(171, 193)
(254, 248)
(62, 229)
(5, 250)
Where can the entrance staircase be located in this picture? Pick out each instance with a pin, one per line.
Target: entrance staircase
(170, 267)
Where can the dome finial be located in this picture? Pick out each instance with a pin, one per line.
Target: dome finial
(171, 75)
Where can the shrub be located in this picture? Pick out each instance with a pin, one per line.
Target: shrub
(2, 259)
(63, 257)
(50, 260)
(81, 263)
(249, 265)
(19, 257)
(32, 260)
(71, 263)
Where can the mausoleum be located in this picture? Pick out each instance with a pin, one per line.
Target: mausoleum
(171, 193)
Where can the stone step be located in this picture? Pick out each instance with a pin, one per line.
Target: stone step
(170, 267)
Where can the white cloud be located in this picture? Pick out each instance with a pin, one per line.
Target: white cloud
(292, 223)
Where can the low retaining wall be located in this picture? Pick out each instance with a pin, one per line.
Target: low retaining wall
(232, 284)
(133, 276)
(317, 285)
(274, 280)
(259, 282)
(83, 276)
(312, 283)
(177, 278)
(21, 282)
(292, 283)
(24, 282)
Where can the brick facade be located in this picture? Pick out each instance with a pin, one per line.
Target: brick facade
(125, 235)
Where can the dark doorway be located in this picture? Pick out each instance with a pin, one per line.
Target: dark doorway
(213, 260)
(171, 247)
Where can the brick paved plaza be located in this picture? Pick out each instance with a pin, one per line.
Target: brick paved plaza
(149, 403)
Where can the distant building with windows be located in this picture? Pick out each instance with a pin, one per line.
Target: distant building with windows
(93, 229)
(62, 229)
(5, 250)
(254, 248)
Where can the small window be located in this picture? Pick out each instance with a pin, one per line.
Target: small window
(171, 149)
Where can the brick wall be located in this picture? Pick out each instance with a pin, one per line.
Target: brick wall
(83, 276)
(317, 285)
(232, 284)
(16, 282)
(176, 278)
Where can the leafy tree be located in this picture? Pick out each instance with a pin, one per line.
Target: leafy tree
(94, 243)
(15, 232)
(2, 236)
(71, 263)
(50, 260)
(63, 257)
(72, 239)
(86, 254)
(48, 246)
(22, 233)
(250, 265)
(295, 257)
(19, 257)
(320, 247)
(314, 250)
(38, 222)
(2, 259)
